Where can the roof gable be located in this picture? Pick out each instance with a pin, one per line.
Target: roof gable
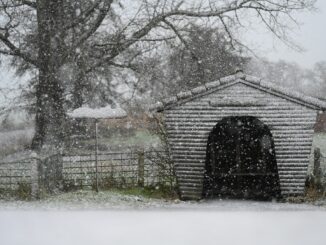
(240, 77)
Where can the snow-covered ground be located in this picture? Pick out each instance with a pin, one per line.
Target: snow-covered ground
(85, 218)
(115, 201)
(162, 227)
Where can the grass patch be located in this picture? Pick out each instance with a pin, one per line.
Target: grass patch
(313, 194)
(115, 142)
(157, 192)
(315, 189)
(141, 137)
(123, 188)
(22, 192)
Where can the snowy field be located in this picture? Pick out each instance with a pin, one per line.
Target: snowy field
(85, 218)
(166, 227)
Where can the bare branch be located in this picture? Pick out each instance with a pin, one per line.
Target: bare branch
(123, 66)
(15, 51)
(82, 18)
(18, 3)
(29, 3)
(270, 7)
(193, 55)
(96, 24)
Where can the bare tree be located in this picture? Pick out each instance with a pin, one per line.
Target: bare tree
(45, 35)
(37, 33)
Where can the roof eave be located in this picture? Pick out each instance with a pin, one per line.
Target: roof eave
(258, 83)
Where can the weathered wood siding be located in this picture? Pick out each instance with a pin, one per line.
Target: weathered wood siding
(190, 122)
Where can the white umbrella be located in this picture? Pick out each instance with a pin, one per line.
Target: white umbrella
(97, 113)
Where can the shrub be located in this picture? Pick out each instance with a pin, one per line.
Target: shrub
(24, 191)
(315, 189)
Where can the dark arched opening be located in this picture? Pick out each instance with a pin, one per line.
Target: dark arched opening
(240, 160)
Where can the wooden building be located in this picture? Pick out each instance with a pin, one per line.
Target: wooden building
(195, 118)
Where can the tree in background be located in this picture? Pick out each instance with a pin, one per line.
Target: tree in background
(320, 71)
(207, 55)
(290, 74)
(48, 35)
(202, 54)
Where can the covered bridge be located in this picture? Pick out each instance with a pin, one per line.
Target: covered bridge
(240, 136)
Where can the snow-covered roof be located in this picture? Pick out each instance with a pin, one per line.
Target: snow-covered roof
(97, 113)
(240, 77)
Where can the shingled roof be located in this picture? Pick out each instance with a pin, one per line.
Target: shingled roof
(239, 77)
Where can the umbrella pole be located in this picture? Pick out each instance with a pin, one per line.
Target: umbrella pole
(96, 154)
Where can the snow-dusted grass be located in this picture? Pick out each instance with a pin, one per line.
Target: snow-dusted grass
(85, 200)
(115, 200)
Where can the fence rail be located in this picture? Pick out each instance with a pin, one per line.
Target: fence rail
(14, 174)
(118, 169)
(19, 178)
(61, 172)
(114, 169)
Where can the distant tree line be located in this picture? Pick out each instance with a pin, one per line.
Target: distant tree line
(309, 81)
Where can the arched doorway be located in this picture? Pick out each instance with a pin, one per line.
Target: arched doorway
(240, 160)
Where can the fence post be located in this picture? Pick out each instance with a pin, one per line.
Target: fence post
(58, 176)
(10, 181)
(317, 170)
(141, 168)
(35, 178)
(96, 153)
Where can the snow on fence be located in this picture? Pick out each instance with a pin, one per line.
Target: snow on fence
(118, 169)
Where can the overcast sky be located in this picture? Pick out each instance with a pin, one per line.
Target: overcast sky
(311, 36)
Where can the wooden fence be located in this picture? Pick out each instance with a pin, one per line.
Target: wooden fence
(63, 172)
(14, 173)
(19, 176)
(114, 170)
(319, 167)
(118, 169)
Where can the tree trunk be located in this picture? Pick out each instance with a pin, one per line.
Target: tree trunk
(50, 114)
(79, 84)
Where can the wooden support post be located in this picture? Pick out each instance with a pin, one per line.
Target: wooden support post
(317, 170)
(36, 177)
(58, 178)
(10, 181)
(141, 168)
